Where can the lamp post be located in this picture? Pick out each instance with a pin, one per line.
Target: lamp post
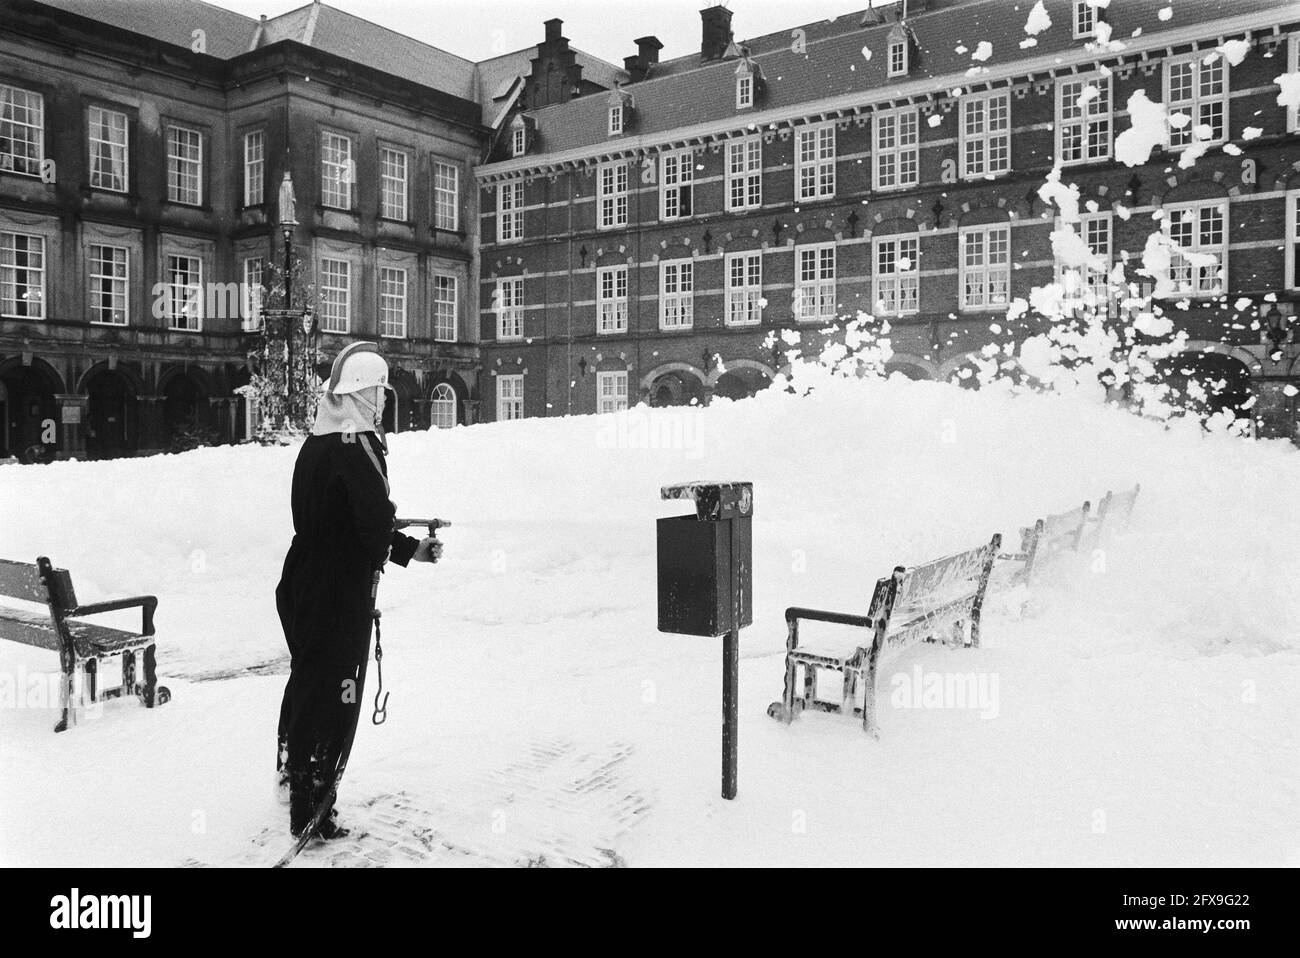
(288, 222)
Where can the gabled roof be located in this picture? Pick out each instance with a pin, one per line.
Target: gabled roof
(228, 34)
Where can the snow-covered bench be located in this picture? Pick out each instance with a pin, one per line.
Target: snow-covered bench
(1115, 510)
(81, 645)
(1047, 539)
(936, 602)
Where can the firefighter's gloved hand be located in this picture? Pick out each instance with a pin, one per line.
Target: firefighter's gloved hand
(429, 550)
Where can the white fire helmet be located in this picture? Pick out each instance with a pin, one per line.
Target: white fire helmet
(359, 366)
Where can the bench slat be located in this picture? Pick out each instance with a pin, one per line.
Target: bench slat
(22, 580)
(31, 628)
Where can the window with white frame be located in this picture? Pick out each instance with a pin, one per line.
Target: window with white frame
(254, 291)
(1200, 231)
(254, 168)
(392, 302)
(1083, 119)
(22, 276)
(445, 307)
(897, 275)
(107, 269)
(185, 293)
(109, 155)
(518, 141)
(184, 166)
(613, 195)
(1293, 66)
(611, 299)
(1199, 91)
(442, 409)
(335, 295)
(393, 184)
(615, 120)
(814, 289)
(676, 184)
(897, 138)
(22, 130)
(744, 91)
(510, 211)
(1293, 240)
(745, 173)
(896, 55)
(510, 309)
(510, 398)
(815, 162)
(446, 197)
(1085, 19)
(611, 391)
(336, 171)
(984, 266)
(744, 288)
(985, 134)
(676, 294)
(1088, 287)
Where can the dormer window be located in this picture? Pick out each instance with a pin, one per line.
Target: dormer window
(744, 91)
(518, 141)
(896, 56)
(618, 112)
(616, 120)
(1085, 19)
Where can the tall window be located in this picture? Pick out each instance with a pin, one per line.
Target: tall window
(815, 162)
(510, 211)
(392, 184)
(108, 281)
(184, 166)
(744, 91)
(254, 168)
(510, 309)
(897, 138)
(985, 134)
(814, 290)
(1200, 230)
(444, 307)
(1199, 90)
(1085, 19)
(446, 197)
(22, 276)
(615, 120)
(745, 173)
(611, 391)
(1083, 118)
(896, 54)
(185, 293)
(897, 275)
(336, 171)
(744, 289)
(109, 158)
(254, 292)
(1293, 66)
(22, 130)
(611, 299)
(335, 295)
(510, 398)
(984, 266)
(1293, 240)
(392, 302)
(1089, 287)
(613, 195)
(676, 294)
(442, 411)
(676, 182)
(518, 141)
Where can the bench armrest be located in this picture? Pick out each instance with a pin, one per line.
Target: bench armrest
(837, 618)
(147, 603)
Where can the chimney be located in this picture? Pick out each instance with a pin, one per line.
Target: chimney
(646, 56)
(716, 35)
(553, 29)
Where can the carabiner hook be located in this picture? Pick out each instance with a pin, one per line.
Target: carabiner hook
(381, 709)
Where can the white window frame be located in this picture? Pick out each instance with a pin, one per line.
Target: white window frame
(744, 300)
(184, 169)
(989, 272)
(518, 141)
(335, 314)
(510, 211)
(744, 173)
(393, 289)
(1092, 124)
(676, 184)
(255, 168)
(903, 156)
(394, 184)
(509, 302)
(336, 169)
(611, 300)
(676, 294)
(611, 391)
(510, 397)
(814, 295)
(442, 397)
(616, 120)
(893, 286)
(254, 279)
(446, 196)
(1198, 103)
(1084, 20)
(984, 140)
(1293, 66)
(118, 286)
(106, 155)
(9, 272)
(446, 307)
(184, 300)
(612, 192)
(31, 127)
(814, 162)
(744, 91)
(1292, 239)
(1089, 288)
(1197, 288)
(896, 57)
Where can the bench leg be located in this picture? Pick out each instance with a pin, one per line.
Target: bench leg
(66, 703)
(128, 674)
(850, 690)
(869, 723)
(150, 692)
(91, 691)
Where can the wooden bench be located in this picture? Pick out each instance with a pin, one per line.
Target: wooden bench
(1115, 510)
(1047, 539)
(936, 602)
(81, 645)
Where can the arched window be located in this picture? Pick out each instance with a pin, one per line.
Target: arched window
(443, 409)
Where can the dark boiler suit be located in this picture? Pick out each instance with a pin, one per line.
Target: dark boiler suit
(343, 534)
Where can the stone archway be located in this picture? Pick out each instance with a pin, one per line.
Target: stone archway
(675, 384)
(28, 403)
(916, 368)
(740, 379)
(112, 425)
(1207, 383)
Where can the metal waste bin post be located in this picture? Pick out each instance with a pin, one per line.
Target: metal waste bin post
(706, 584)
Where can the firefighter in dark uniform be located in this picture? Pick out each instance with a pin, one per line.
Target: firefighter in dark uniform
(343, 535)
